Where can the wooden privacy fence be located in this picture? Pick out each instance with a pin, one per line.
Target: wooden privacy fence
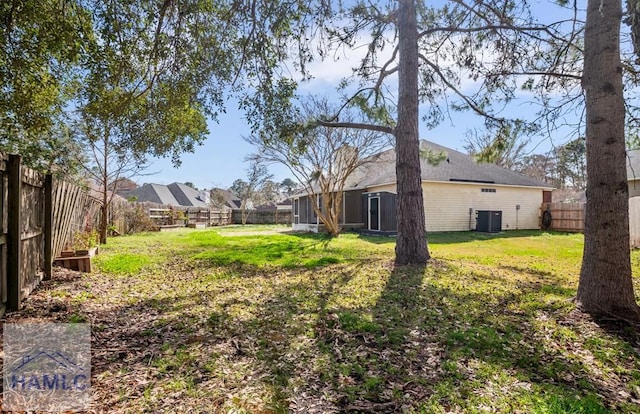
(24, 245)
(74, 211)
(189, 216)
(570, 217)
(37, 218)
(564, 216)
(263, 217)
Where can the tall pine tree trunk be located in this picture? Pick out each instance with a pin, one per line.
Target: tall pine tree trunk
(605, 286)
(411, 244)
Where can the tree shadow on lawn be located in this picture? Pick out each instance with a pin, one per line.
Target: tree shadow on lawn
(455, 237)
(346, 338)
(421, 344)
(426, 346)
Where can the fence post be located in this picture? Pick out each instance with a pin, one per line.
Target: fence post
(48, 226)
(14, 238)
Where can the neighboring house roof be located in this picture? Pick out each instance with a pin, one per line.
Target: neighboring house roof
(633, 165)
(268, 206)
(457, 167)
(272, 206)
(286, 204)
(230, 200)
(186, 195)
(175, 194)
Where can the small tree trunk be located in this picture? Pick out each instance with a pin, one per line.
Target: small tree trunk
(104, 217)
(411, 244)
(605, 286)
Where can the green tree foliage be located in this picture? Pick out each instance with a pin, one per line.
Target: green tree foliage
(572, 164)
(42, 43)
(289, 186)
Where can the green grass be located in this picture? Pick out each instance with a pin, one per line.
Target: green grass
(124, 263)
(240, 319)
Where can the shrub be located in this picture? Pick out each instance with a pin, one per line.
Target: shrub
(137, 220)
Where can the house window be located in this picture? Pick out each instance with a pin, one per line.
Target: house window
(296, 209)
(488, 190)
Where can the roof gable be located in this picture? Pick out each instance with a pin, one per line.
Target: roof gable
(164, 194)
(185, 195)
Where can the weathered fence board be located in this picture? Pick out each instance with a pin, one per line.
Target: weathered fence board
(23, 229)
(190, 215)
(565, 216)
(74, 211)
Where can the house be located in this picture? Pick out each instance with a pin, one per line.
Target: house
(268, 206)
(225, 199)
(459, 194)
(281, 206)
(175, 194)
(285, 205)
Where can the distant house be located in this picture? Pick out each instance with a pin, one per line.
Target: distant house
(175, 194)
(268, 206)
(458, 192)
(225, 198)
(285, 205)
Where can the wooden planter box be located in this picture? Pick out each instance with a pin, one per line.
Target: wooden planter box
(81, 261)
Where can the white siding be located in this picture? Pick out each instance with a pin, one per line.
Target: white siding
(447, 205)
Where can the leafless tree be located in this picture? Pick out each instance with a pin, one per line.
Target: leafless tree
(322, 158)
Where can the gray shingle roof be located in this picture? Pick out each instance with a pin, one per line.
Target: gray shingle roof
(174, 194)
(230, 200)
(164, 194)
(458, 167)
(185, 195)
(156, 193)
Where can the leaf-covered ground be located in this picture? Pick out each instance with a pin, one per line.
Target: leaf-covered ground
(249, 320)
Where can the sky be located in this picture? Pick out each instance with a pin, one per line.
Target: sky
(221, 159)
